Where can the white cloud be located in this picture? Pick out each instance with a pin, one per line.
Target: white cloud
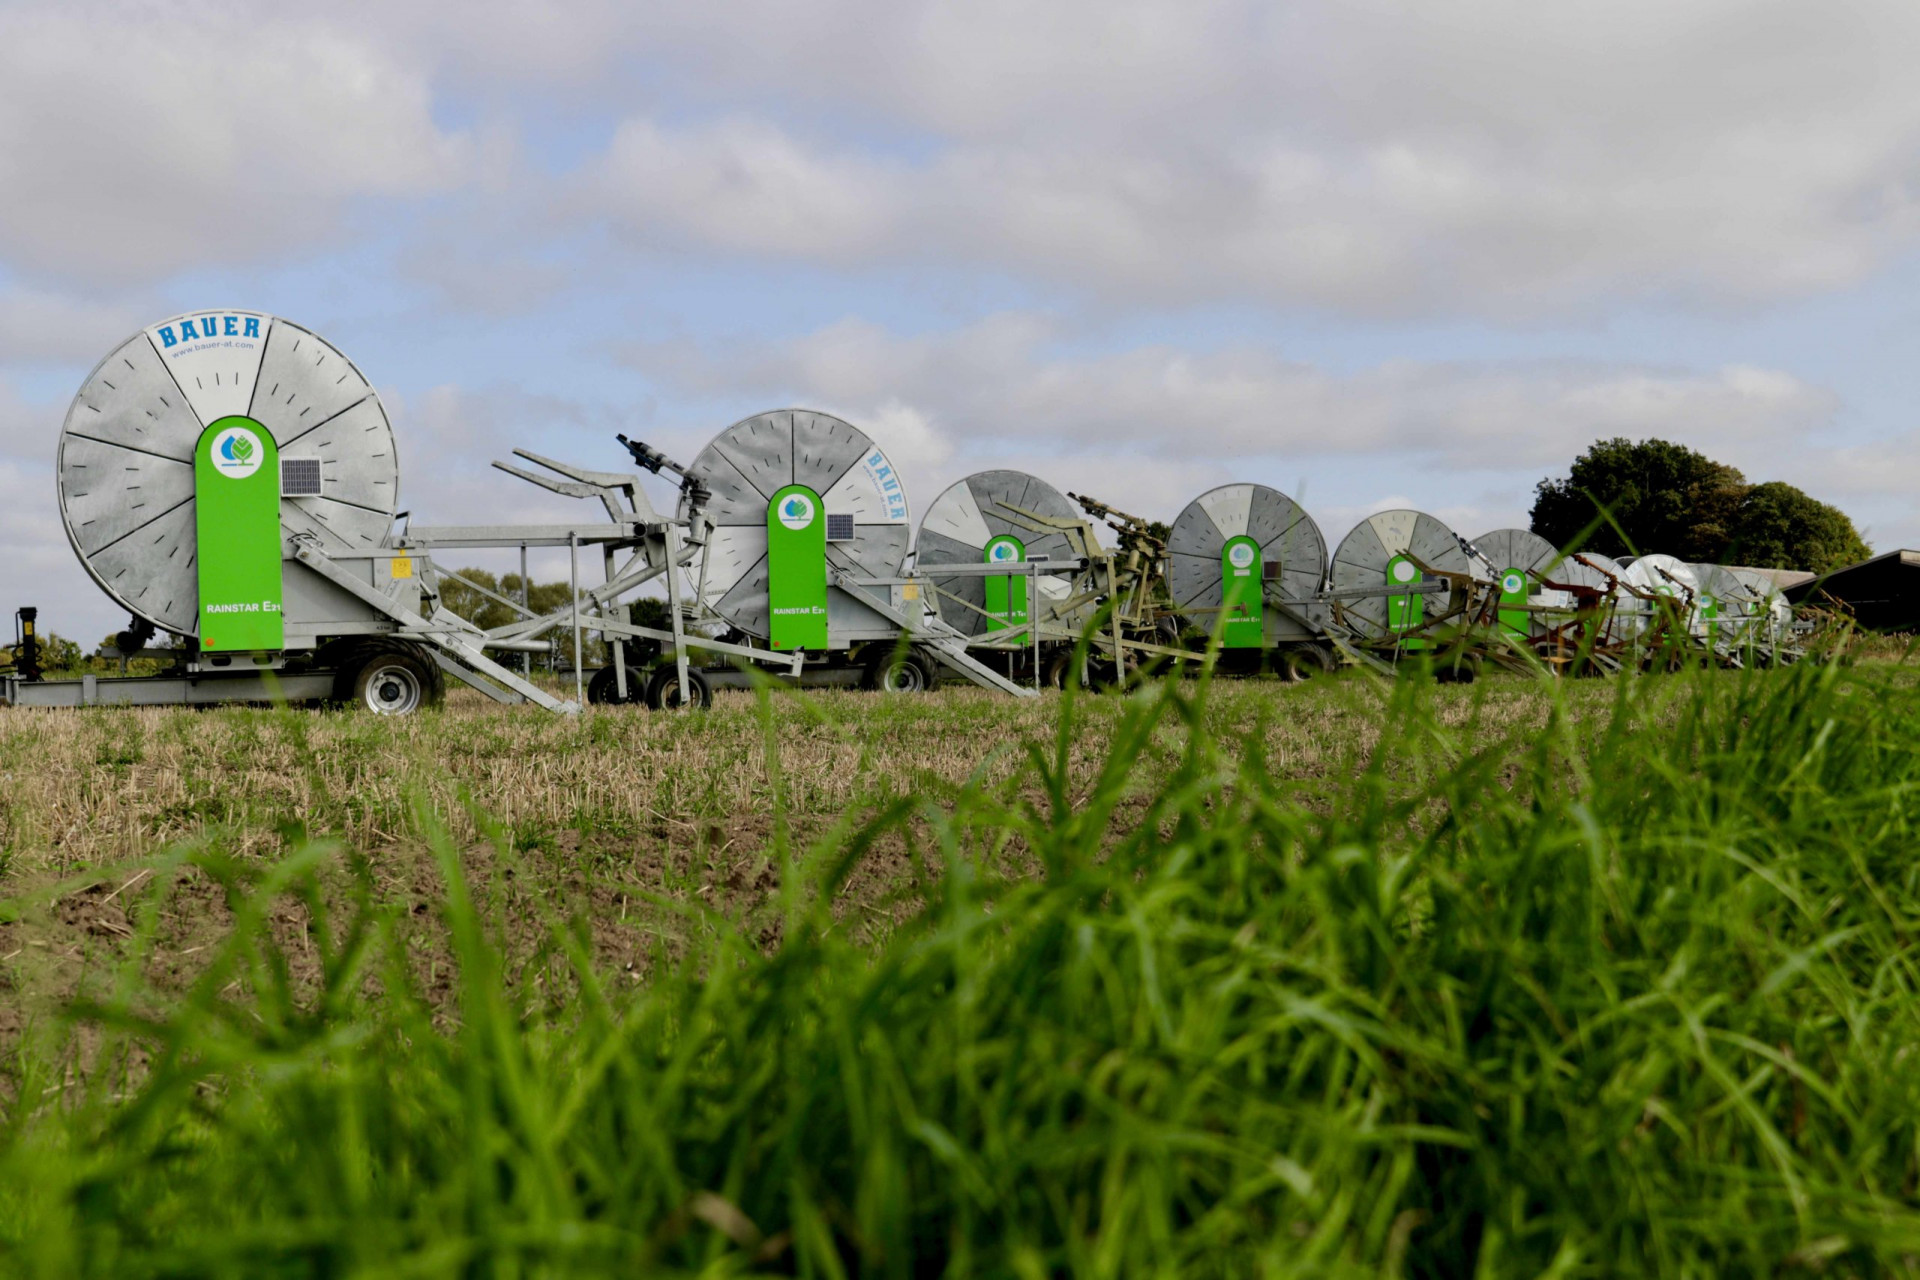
(1504, 157)
(1150, 427)
(1004, 382)
(747, 186)
(27, 429)
(136, 141)
(40, 326)
(37, 564)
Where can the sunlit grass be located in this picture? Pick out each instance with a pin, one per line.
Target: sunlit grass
(1608, 978)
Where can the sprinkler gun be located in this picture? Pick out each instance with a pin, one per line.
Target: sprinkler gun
(691, 487)
(1137, 538)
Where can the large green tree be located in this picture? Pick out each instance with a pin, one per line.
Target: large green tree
(1779, 527)
(1661, 496)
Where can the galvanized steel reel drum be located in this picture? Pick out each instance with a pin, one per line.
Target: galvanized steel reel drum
(1727, 610)
(1605, 575)
(126, 460)
(750, 462)
(992, 517)
(1774, 622)
(1381, 552)
(1516, 561)
(1256, 542)
(1661, 575)
(1569, 571)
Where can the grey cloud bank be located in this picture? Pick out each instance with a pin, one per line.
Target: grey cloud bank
(541, 224)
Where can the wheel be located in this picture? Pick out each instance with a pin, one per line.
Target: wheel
(604, 688)
(892, 670)
(1304, 661)
(1058, 664)
(663, 691)
(1110, 676)
(389, 678)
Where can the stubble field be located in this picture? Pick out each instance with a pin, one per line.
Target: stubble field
(1240, 978)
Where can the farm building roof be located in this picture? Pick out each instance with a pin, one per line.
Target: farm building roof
(1883, 592)
(1785, 579)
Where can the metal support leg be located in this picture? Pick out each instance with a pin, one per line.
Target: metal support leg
(1033, 621)
(526, 659)
(670, 540)
(617, 647)
(573, 559)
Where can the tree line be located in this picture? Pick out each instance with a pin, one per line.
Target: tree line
(1623, 497)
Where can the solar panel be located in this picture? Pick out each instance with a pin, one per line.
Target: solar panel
(299, 477)
(839, 528)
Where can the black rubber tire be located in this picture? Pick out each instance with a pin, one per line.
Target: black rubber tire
(603, 690)
(1114, 677)
(1305, 661)
(663, 690)
(1058, 664)
(389, 677)
(890, 669)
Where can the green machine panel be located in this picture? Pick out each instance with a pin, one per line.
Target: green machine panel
(1405, 612)
(1514, 618)
(1242, 596)
(236, 483)
(1006, 597)
(797, 569)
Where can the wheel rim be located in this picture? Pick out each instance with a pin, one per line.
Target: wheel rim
(902, 677)
(392, 690)
(604, 688)
(670, 699)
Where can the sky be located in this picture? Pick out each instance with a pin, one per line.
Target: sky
(1375, 255)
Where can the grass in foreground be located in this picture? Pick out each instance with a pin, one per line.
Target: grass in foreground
(1594, 994)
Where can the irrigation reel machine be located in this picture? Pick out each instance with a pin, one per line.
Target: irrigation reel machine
(231, 480)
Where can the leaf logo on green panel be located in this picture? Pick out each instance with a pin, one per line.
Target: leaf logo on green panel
(796, 511)
(236, 453)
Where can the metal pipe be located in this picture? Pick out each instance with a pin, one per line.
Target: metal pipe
(616, 647)
(573, 558)
(670, 549)
(526, 663)
(518, 646)
(1033, 619)
(491, 595)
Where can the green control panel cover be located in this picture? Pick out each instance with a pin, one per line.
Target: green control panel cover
(1405, 612)
(236, 489)
(1514, 619)
(797, 569)
(1242, 597)
(1006, 597)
